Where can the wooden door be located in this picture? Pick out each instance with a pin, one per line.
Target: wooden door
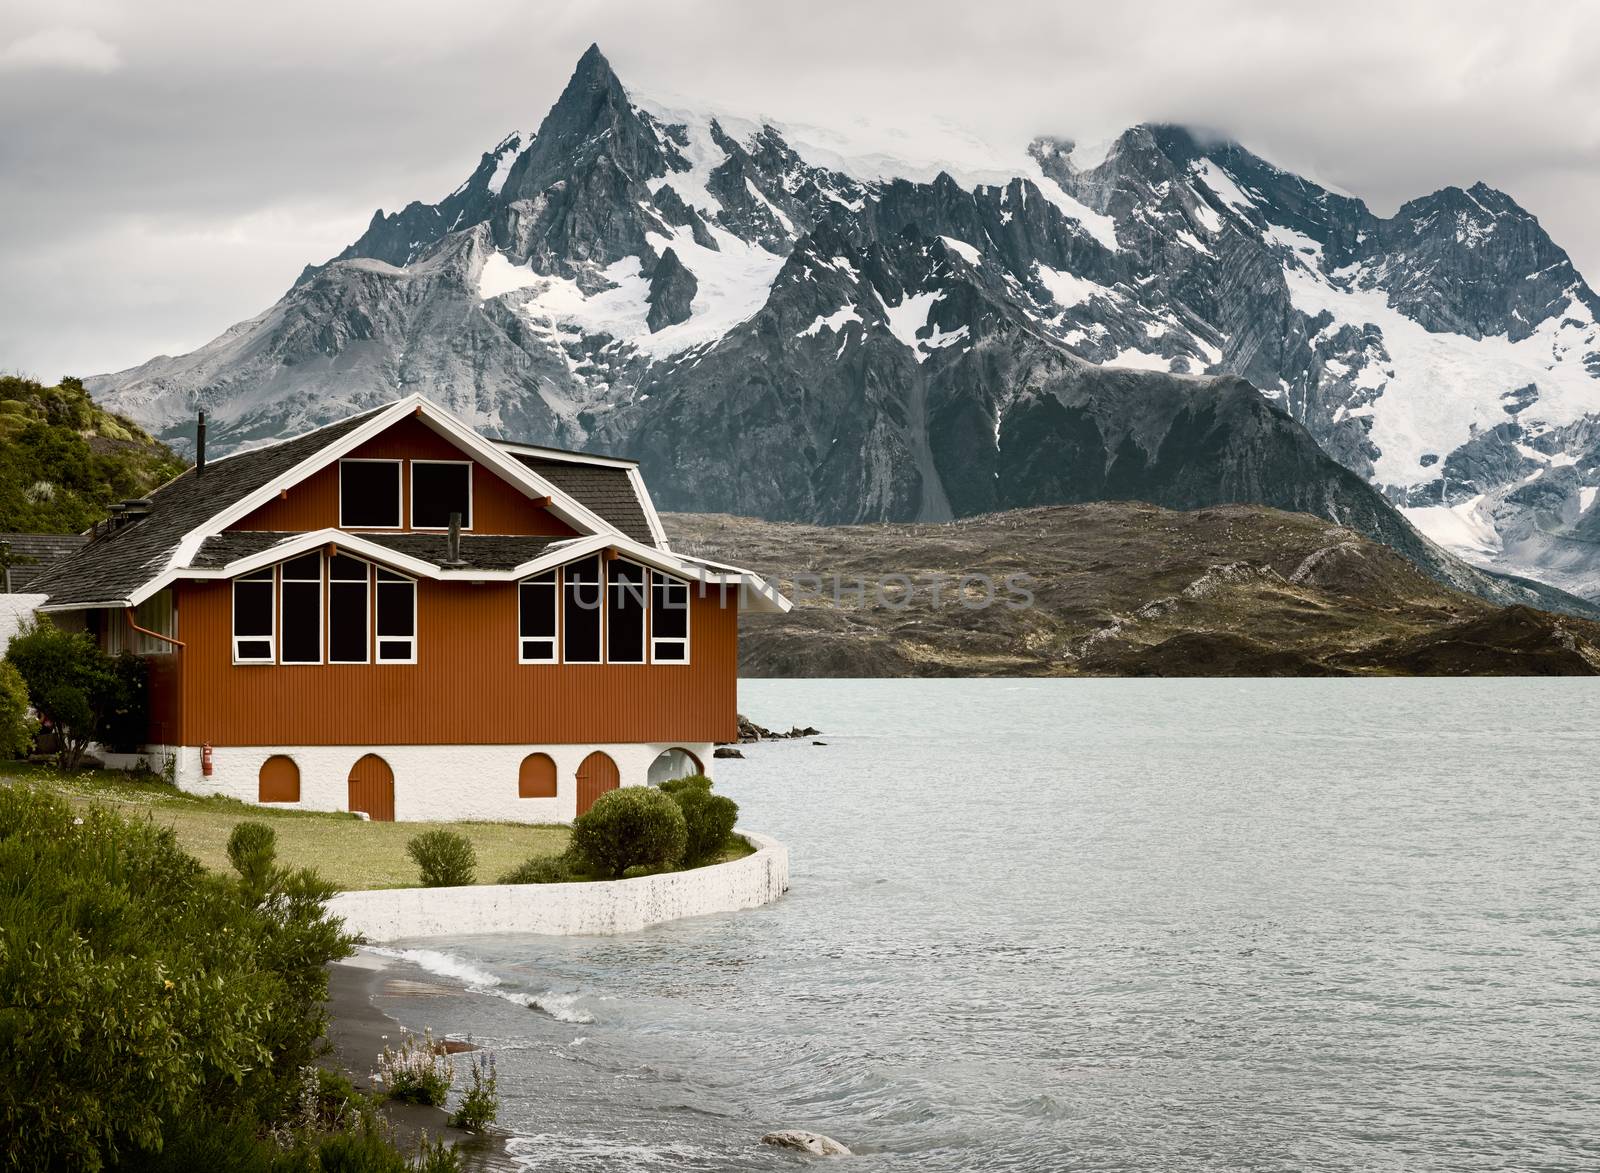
(372, 788)
(596, 775)
(279, 780)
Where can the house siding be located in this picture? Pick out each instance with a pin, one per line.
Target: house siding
(466, 687)
(498, 507)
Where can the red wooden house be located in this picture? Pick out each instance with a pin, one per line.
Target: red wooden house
(318, 634)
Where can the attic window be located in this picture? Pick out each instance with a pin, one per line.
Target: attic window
(438, 489)
(369, 494)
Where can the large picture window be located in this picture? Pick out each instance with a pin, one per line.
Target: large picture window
(669, 620)
(536, 619)
(349, 611)
(369, 494)
(438, 489)
(582, 605)
(300, 610)
(626, 597)
(397, 617)
(253, 633)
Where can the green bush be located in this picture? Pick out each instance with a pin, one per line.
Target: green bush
(635, 826)
(71, 682)
(709, 820)
(446, 858)
(542, 869)
(480, 1103)
(141, 994)
(252, 850)
(690, 782)
(124, 715)
(16, 725)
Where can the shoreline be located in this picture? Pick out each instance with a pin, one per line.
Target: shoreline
(357, 1033)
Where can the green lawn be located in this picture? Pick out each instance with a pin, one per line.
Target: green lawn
(349, 852)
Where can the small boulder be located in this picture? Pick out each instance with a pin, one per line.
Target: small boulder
(726, 751)
(806, 1142)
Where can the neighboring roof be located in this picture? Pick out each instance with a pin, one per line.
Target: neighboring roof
(112, 567)
(32, 554)
(608, 490)
(478, 551)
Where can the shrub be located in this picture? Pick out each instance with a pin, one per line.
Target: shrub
(708, 819)
(420, 1071)
(71, 683)
(144, 1000)
(124, 714)
(446, 858)
(252, 850)
(16, 725)
(635, 826)
(480, 1103)
(542, 869)
(689, 782)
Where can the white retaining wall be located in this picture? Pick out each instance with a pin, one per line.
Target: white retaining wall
(431, 782)
(601, 908)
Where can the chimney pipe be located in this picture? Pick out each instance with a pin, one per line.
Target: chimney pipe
(200, 446)
(453, 546)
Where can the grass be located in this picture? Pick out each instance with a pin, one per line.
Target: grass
(349, 852)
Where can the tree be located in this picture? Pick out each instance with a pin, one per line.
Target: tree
(16, 726)
(71, 683)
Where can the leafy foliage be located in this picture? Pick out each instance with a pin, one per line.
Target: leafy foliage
(144, 998)
(708, 819)
(16, 726)
(64, 460)
(78, 688)
(419, 1071)
(543, 869)
(689, 782)
(480, 1103)
(446, 858)
(252, 850)
(635, 826)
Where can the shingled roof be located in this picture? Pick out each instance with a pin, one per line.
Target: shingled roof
(30, 555)
(608, 489)
(110, 568)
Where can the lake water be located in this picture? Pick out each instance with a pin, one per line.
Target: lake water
(1103, 925)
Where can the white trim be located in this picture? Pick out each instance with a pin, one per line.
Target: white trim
(636, 479)
(399, 491)
(555, 603)
(322, 613)
(466, 525)
(378, 639)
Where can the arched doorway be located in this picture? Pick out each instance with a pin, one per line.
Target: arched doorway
(596, 775)
(673, 763)
(537, 777)
(372, 788)
(279, 780)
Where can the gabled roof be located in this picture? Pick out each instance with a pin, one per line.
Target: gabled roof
(185, 533)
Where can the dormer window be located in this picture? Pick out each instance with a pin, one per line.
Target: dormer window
(369, 494)
(438, 489)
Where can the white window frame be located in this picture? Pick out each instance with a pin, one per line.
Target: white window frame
(377, 657)
(600, 651)
(322, 611)
(472, 505)
(644, 615)
(399, 491)
(555, 602)
(368, 618)
(271, 638)
(688, 621)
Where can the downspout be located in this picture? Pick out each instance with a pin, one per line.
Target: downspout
(127, 613)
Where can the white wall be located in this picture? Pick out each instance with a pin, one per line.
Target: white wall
(15, 610)
(443, 782)
(607, 907)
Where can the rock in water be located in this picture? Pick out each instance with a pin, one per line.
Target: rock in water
(672, 289)
(806, 1142)
(724, 751)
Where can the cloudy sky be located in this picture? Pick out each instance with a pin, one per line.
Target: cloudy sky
(167, 167)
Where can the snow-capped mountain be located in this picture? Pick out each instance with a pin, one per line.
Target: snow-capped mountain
(779, 326)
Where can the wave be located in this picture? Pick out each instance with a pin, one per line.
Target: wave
(559, 1006)
(443, 964)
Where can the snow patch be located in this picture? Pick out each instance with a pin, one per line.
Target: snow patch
(1068, 289)
(1222, 184)
(1461, 528)
(962, 249)
(834, 321)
